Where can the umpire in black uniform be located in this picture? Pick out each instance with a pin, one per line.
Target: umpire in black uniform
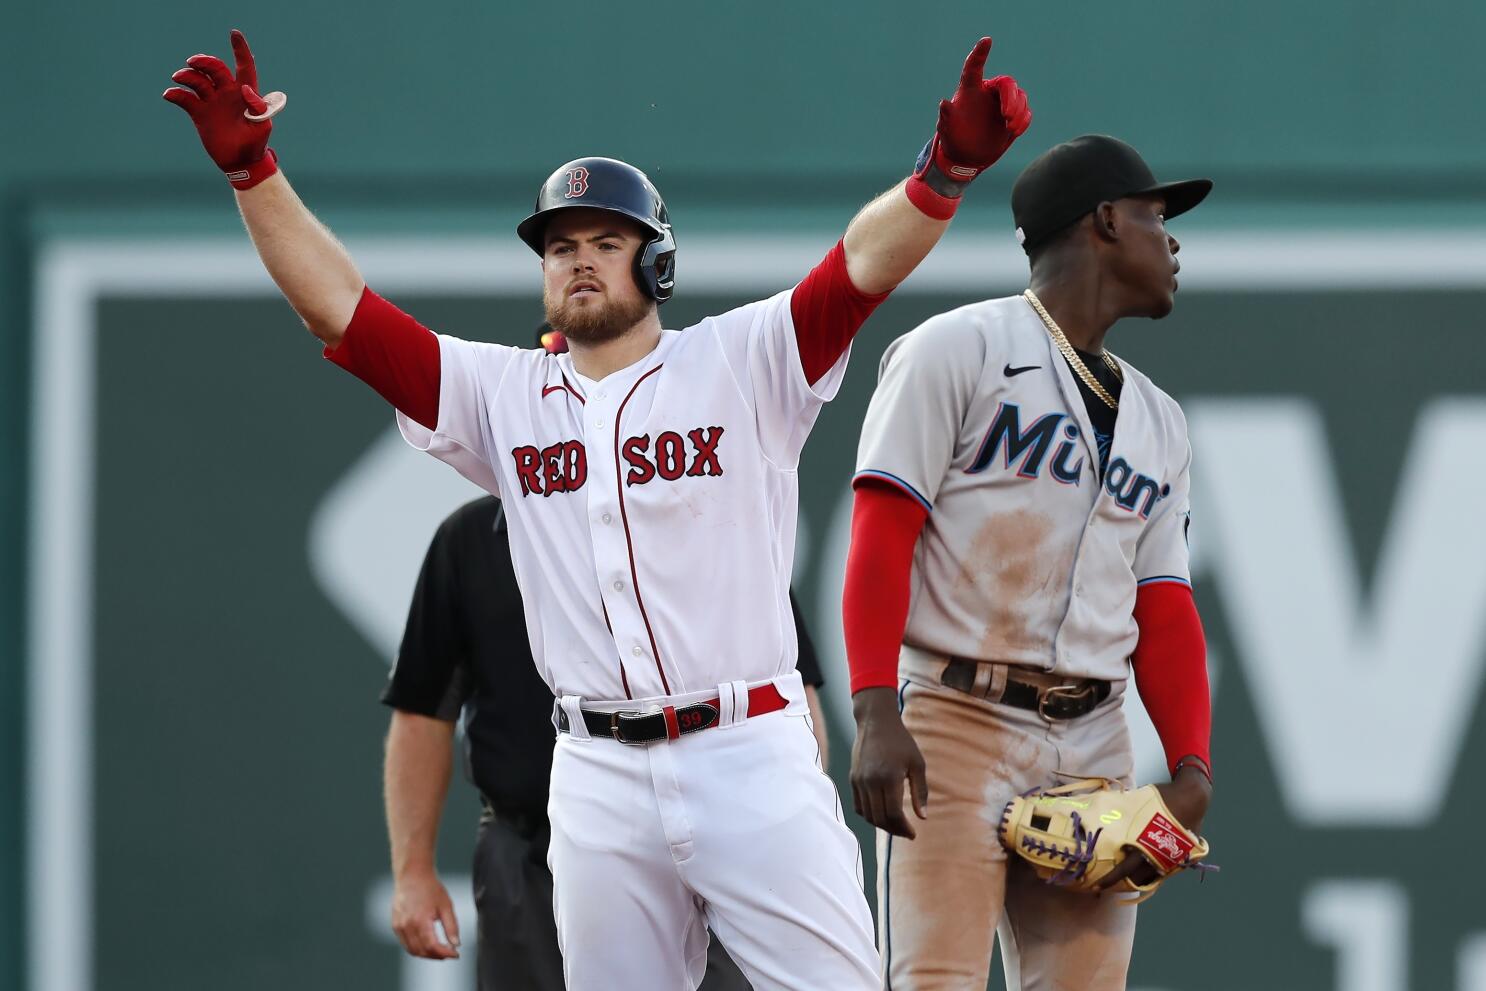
(465, 649)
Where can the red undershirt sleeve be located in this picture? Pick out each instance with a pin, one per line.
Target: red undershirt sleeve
(395, 355)
(1170, 666)
(885, 526)
(828, 310)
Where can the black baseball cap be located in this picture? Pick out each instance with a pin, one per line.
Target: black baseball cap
(1071, 179)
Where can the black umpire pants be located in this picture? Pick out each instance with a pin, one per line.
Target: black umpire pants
(517, 948)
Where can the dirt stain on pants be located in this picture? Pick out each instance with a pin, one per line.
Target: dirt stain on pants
(943, 897)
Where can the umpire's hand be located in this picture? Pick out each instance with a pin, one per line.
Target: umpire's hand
(882, 758)
(418, 900)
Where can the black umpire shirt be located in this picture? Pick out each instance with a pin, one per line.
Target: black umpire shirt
(465, 646)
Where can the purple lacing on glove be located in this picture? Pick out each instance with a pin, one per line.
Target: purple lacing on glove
(1079, 856)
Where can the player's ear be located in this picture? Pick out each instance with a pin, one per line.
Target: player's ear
(1106, 221)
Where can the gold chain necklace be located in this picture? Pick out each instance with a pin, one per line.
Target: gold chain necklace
(1074, 361)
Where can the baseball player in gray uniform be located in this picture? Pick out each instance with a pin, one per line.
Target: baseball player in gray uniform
(1018, 549)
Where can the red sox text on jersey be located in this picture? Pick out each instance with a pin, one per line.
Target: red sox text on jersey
(563, 467)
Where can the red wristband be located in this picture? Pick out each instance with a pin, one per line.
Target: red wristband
(1194, 761)
(254, 174)
(929, 202)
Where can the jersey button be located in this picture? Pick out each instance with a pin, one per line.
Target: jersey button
(619, 587)
(636, 651)
(607, 518)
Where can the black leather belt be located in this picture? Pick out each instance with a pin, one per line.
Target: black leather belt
(670, 722)
(1067, 701)
(641, 727)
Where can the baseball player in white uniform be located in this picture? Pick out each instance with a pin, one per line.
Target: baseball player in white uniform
(1019, 544)
(649, 478)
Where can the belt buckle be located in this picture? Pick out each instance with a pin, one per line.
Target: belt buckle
(1063, 693)
(616, 728)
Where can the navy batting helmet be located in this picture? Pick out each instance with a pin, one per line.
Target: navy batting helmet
(609, 184)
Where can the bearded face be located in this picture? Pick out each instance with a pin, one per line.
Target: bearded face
(593, 316)
(588, 283)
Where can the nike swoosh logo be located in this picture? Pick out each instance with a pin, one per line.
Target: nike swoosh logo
(1008, 371)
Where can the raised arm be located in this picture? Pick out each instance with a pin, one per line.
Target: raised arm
(888, 238)
(312, 269)
(892, 234)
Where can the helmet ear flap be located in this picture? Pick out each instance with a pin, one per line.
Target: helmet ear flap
(655, 267)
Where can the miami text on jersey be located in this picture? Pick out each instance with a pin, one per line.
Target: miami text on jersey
(1132, 491)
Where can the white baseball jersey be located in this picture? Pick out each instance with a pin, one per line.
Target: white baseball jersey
(1027, 557)
(652, 511)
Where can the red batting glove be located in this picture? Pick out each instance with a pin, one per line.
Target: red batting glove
(231, 118)
(975, 128)
(980, 122)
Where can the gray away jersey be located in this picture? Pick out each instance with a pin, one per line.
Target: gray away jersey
(1027, 557)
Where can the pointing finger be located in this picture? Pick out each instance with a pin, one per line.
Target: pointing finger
(975, 63)
(247, 70)
(213, 67)
(194, 80)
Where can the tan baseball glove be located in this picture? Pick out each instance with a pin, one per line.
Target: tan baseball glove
(1076, 834)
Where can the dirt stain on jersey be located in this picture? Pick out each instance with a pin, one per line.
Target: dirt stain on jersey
(1006, 564)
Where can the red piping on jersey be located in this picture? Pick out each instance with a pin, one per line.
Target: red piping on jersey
(623, 678)
(566, 385)
(634, 576)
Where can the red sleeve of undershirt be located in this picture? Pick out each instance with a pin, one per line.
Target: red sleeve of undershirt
(1170, 664)
(395, 355)
(828, 310)
(885, 524)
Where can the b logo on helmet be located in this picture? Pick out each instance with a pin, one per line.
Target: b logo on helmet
(577, 182)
